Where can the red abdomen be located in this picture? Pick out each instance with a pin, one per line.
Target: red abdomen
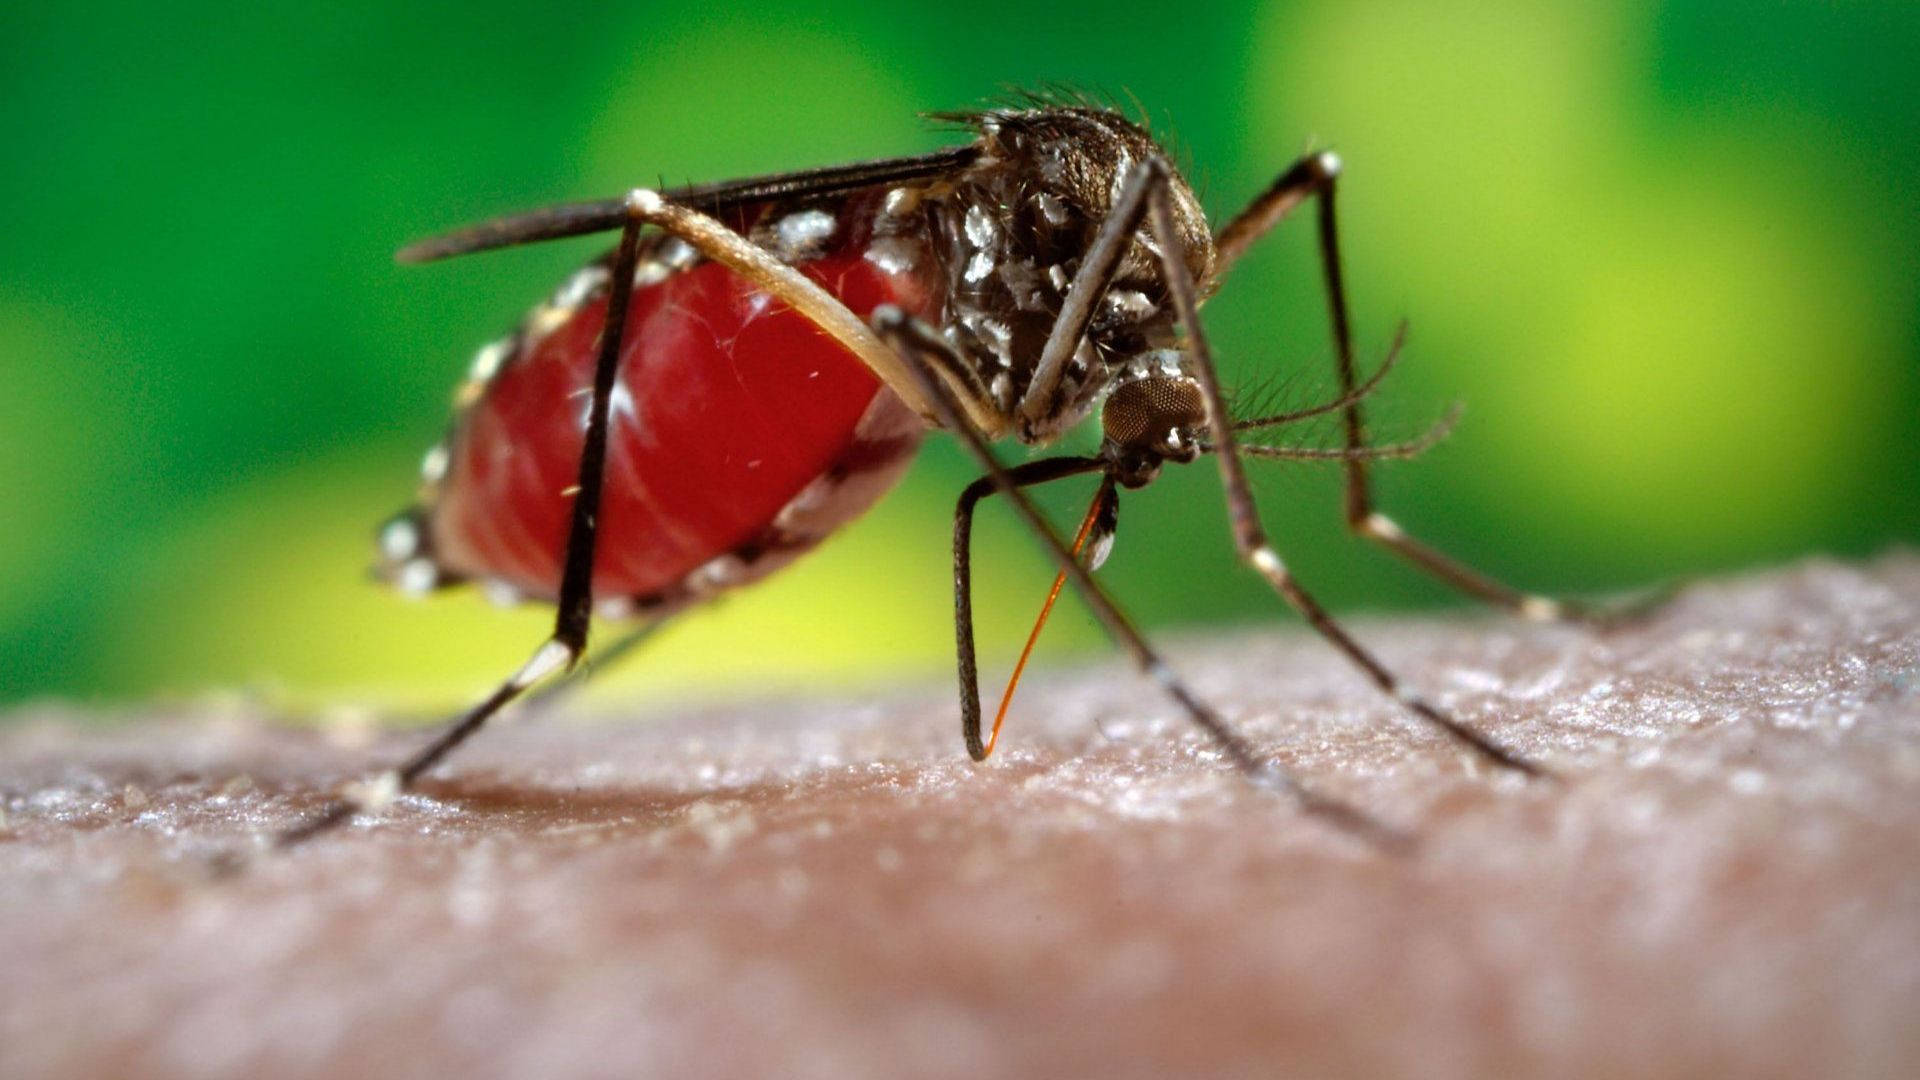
(740, 434)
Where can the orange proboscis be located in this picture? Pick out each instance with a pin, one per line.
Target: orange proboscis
(1059, 580)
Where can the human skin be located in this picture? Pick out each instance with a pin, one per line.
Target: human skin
(1724, 878)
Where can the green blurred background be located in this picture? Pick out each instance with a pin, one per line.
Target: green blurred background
(1665, 253)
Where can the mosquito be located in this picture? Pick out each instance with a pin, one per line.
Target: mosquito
(757, 361)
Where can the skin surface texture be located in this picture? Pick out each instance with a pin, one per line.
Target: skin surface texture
(1724, 880)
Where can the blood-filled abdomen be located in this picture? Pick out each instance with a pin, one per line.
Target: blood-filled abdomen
(740, 434)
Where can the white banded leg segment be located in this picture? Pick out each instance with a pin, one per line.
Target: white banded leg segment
(1542, 608)
(1267, 561)
(554, 655)
(1381, 527)
(1384, 530)
(1303, 179)
(373, 794)
(1264, 559)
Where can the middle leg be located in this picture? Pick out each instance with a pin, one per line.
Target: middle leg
(913, 339)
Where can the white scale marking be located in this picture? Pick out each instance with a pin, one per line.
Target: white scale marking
(400, 540)
(1129, 302)
(433, 467)
(375, 793)
(501, 593)
(979, 227)
(550, 658)
(1268, 563)
(1102, 547)
(417, 577)
(651, 272)
(1384, 527)
(717, 573)
(1541, 609)
(615, 607)
(998, 334)
(486, 362)
(894, 254)
(546, 319)
(808, 502)
(803, 233)
(676, 253)
(1002, 388)
(579, 287)
(901, 200)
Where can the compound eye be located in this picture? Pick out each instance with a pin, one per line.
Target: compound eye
(1147, 413)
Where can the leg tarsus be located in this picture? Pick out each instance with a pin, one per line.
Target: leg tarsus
(1397, 842)
(1242, 509)
(371, 795)
(1612, 616)
(339, 810)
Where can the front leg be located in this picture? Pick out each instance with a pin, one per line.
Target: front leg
(1033, 472)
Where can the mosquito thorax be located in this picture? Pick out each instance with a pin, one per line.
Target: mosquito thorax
(1010, 232)
(1154, 414)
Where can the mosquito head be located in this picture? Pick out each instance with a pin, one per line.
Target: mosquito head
(1155, 413)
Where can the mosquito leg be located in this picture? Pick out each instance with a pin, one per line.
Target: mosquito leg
(912, 338)
(569, 639)
(1317, 175)
(641, 208)
(1248, 534)
(600, 660)
(1033, 472)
